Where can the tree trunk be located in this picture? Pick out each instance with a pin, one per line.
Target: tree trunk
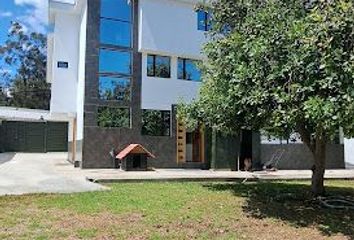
(319, 167)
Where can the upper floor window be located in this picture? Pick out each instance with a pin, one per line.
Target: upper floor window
(116, 23)
(158, 66)
(188, 70)
(203, 20)
(117, 9)
(115, 32)
(114, 88)
(115, 62)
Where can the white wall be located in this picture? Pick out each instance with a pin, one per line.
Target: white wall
(169, 27)
(65, 48)
(349, 152)
(161, 93)
(81, 74)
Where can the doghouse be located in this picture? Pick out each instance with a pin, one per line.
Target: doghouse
(134, 158)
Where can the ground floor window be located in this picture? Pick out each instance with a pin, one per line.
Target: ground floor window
(156, 122)
(113, 117)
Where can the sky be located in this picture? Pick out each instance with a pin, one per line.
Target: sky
(33, 14)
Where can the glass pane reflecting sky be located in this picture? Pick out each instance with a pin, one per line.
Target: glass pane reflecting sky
(188, 70)
(118, 9)
(115, 32)
(115, 61)
(192, 72)
(201, 20)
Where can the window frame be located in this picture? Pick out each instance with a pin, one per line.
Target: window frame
(184, 69)
(122, 74)
(115, 45)
(117, 77)
(162, 116)
(114, 107)
(154, 56)
(205, 27)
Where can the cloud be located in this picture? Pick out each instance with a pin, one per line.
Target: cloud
(36, 16)
(6, 14)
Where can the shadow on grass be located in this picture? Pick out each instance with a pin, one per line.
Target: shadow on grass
(292, 203)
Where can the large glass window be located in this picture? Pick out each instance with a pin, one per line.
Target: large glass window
(113, 88)
(158, 66)
(156, 123)
(115, 63)
(188, 70)
(203, 20)
(112, 61)
(117, 9)
(115, 32)
(112, 117)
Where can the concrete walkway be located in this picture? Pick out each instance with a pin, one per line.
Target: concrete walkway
(24, 173)
(106, 175)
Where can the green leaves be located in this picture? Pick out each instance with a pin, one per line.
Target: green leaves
(280, 63)
(27, 52)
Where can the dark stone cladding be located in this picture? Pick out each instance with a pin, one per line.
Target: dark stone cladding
(298, 156)
(98, 142)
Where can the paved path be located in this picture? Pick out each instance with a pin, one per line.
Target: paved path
(37, 173)
(114, 175)
(50, 173)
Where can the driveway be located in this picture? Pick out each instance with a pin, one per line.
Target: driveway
(23, 173)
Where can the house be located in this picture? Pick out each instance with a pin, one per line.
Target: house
(119, 67)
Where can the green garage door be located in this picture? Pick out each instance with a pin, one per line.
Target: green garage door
(34, 136)
(57, 137)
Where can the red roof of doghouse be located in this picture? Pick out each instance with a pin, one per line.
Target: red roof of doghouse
(135, 149)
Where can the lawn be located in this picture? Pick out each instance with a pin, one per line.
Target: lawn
(263, 210)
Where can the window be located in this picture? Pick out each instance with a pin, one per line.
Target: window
(203, 20)
(115, 32)
(116, 23)
(156, 123)
(188, 70)
(112, 117)
(115, 62)
(158, 66)
(116, 9)
(113, 88)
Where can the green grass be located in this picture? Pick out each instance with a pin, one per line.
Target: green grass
(263, 210)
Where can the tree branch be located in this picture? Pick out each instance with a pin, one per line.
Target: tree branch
(306, 136)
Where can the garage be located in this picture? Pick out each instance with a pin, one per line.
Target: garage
(40, 136)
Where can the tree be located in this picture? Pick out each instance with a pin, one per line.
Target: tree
(27, 52)
(3, 101)
(281, 66)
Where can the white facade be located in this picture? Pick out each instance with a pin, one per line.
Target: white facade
(65, 49)
(81, 73)
(168, 28)
(349, 152)
(162, 93)
(67, 43)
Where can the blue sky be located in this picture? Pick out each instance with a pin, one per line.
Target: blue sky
(31, 13)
